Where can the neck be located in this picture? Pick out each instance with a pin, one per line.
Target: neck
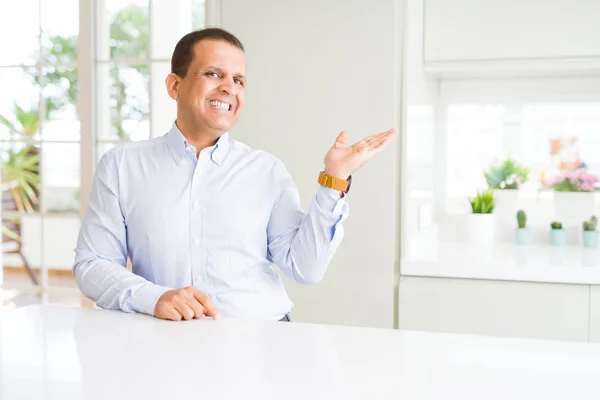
(199, 138)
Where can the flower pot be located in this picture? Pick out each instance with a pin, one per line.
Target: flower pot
(482, 228)
(578, 205)
(523, 236)
(506, 202)
(557, 237)
(590, 239)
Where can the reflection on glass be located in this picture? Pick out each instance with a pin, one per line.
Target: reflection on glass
(123, 100)
(61, 168)
(122, 31)
(60, 27)
(19, 104)
(19, 30)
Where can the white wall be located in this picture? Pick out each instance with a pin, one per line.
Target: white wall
(421, 96)
(314, 68)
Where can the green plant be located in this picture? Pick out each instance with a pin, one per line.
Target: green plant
(21, 176)
(591, 224)
(521, 219)
(483, 202)
(556, 225)
(506, 175)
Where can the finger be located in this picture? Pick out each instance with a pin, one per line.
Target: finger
(186, 312)
(196, 307)
(373, 139)
(169, 313)
(377, 147)
(209, 307)
(340, 141)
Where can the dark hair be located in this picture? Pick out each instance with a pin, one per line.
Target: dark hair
(183, 55)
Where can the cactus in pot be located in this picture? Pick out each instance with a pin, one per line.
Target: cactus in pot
(590, 235)
(557, 234)
(522, 233)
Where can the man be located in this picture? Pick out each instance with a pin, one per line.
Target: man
(202, 216)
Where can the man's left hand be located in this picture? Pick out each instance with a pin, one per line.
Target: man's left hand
(342, 161)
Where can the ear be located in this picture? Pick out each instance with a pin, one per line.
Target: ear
(172, 81)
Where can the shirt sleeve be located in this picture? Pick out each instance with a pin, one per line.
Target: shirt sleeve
(101, 252)
(303, 244)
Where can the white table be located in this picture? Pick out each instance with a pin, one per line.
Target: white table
(70, 353)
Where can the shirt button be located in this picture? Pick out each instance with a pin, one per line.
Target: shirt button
(188, 148)
(196, 242)
(196, 205)
(198, 279)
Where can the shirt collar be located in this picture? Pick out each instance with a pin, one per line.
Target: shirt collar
(177, 144)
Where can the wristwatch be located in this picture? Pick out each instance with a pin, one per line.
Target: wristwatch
(335, 183)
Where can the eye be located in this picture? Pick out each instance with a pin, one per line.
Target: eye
(239, 81)
(213, 74)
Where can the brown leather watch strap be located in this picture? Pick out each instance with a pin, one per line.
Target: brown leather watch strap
(332, 182)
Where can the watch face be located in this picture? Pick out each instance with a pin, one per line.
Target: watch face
(349, 184)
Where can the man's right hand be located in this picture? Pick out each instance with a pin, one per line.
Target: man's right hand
(186, 303)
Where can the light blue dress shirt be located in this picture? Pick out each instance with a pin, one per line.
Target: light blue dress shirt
(217, 222)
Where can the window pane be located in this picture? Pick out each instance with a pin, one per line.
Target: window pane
(60, 28)
(198, 14)
(170, 21)
(61, 169)
(122, 29)
(19, 20)
(164, 108)
(475, 140)
(102, 148)
(19, 104)
(60, 95)
(20, 177)
(547, 138)
(123, 99)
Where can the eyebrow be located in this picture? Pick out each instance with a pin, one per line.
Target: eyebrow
(220, 70)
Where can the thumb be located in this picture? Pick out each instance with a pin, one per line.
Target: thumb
(340, 141)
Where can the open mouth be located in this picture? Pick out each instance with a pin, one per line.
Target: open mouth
(220, 105)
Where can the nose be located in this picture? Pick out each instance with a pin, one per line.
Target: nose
(228, 87)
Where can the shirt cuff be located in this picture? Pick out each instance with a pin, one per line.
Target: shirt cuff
(145, 298)
(329, 199)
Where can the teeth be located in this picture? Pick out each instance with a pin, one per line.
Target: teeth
(216, 103)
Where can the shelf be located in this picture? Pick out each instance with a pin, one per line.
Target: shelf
(504, 261)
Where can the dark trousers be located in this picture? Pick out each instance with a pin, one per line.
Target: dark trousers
(286, 318)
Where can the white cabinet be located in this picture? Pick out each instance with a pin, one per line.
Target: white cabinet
(595, 314)
(497, 308)
(510, 30)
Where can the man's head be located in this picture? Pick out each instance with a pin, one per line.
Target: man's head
(208, 79)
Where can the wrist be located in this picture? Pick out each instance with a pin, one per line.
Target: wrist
(335, 173)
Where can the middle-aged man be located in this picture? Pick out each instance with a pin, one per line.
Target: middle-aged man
(202, 216)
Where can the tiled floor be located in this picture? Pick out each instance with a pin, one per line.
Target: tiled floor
(18, 291)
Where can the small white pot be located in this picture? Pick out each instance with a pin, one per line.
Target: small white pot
(482, 228)
(506, 202)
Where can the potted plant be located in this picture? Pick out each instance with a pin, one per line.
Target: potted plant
(522, 233)
(574, 193)
(482, 222)
(557, 234)
(505, 179)
(590, 235)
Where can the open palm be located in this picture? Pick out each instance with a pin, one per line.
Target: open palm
(342, 161)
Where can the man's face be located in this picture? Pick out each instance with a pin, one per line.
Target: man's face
(211, 96)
